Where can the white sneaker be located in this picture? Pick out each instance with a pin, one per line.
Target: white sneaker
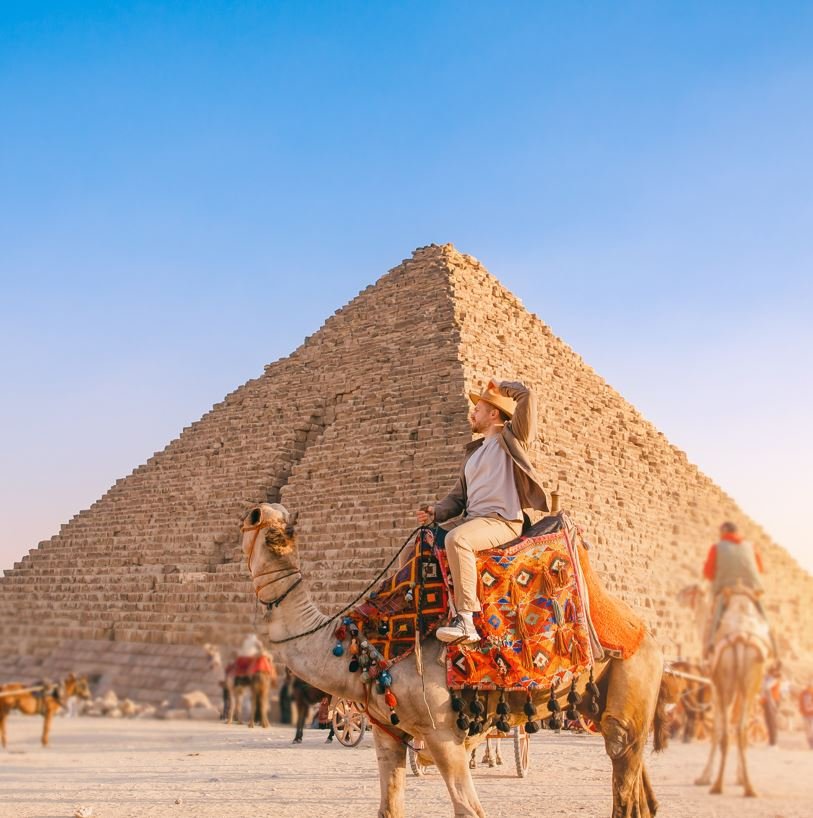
(458, 630)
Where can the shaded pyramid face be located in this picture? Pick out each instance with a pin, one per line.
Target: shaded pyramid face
(356, 428)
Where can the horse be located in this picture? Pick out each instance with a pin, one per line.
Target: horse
(44, 698)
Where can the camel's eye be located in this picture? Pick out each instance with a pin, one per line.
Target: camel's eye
(255, 516)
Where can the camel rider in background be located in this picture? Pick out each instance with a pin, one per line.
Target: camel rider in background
(498, 493)
(730, 562)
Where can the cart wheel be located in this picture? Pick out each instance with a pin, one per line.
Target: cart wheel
(414, 764)
(522, 747)
(349, 723)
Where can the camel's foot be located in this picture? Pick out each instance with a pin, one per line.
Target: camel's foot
(702, 781)
(297, 740)
(472, 764)
(329, 740)
(492, 763)
(750, 792)
(717, 789)
(251, 724)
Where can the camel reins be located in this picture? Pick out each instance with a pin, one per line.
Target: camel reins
(275, 603)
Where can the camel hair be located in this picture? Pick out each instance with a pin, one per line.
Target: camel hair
(630, 691)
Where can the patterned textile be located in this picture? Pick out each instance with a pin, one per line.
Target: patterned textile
(412, 598)
(248, 666)
(533, 623)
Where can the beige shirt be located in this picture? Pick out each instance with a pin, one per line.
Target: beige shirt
(490, 485)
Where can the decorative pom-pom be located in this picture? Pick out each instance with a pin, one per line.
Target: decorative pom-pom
(475, 728)
(457, 704)
(394, 718)
(554, 723)
(339, 649)
(572, 715)
(353, 666)
(502, 708)
(383, 627)
(531, 726)
(503, 726)
(477, 708)
(462, 722)
(592, 689)
(554, 706)
(385, 678)
(594, 708)
(389, 698)
(528, 709)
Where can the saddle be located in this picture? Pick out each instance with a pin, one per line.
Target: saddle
(545, 616)
(245, 666)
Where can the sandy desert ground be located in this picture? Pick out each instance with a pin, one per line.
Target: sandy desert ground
(159, 769)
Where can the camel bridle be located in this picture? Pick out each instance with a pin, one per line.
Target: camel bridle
(258, 527)
(255, 522)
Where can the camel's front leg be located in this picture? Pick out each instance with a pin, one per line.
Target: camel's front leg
(3, 714)
(451, 758)
(632, 694)
(46, 726)
(391, 754)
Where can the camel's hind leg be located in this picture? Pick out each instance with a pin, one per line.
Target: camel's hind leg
(749, 660)
(391, 755)
(632, 692)
(451, 759)
(3, 714)
(704, 779)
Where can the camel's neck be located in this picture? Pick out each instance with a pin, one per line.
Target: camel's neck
(311, 657)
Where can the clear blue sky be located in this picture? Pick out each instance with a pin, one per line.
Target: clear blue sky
(187, 190)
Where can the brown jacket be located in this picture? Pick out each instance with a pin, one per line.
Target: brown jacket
(515, 438)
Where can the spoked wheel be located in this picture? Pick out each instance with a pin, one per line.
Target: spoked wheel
(415, 764)
(349, 723)
(522, 751)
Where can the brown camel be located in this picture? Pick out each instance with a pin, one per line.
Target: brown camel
(257, 683)
(630, 691)
(43, 697)
(742, 646)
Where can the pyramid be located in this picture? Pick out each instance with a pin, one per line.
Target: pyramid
(356, 428)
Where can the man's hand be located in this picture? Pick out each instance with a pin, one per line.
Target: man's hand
(426, 515)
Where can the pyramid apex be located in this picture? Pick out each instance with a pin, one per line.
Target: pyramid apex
(444, 252)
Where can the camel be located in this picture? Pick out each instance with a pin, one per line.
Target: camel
(44, 698)
(257, 683)
(742, 645)
(305, 696)
(630, 691)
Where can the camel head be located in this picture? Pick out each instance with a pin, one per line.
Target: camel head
(269, 546)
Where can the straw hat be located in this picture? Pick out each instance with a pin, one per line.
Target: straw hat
(492, 396)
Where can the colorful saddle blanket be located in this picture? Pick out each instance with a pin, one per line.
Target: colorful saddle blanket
(534, 624)
(248, 666)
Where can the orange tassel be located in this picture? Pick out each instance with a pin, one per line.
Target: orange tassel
(578, 655)
(547, 584)
(389, 698)
(521, 626)
(561, 642)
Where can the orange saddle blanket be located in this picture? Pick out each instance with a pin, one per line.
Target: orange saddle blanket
(248, 666)
(540, 598)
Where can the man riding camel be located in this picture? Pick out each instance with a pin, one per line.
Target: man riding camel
(498, 493)
(730, 562)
